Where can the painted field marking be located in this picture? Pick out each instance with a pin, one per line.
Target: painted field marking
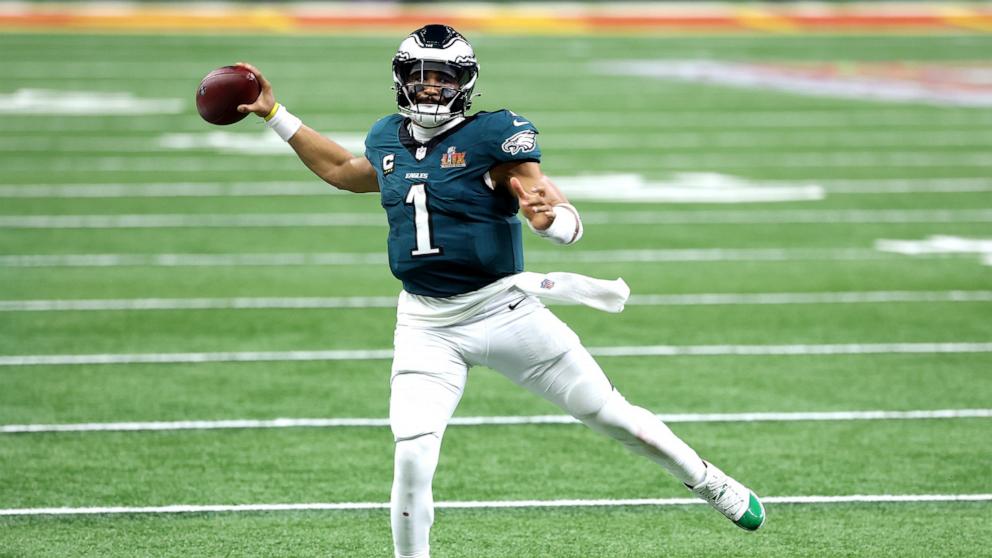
(168, 190)
(870, 119)
(181, 163)
(906, 185)
(284, 259)
(685, 187)
(763, 160)
(939, 244)
(758, 139)
(309, 303)
(215, 220)
(872, 82)
(100, 103)
(497, 504)
(317, 188)
(936, 244)
(343, 219)
(242, 303)
(259, 143)
(266, 143)
(572, 185)
(160, 426)
(385, 354)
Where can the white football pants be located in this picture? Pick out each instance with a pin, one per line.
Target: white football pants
(534, 349)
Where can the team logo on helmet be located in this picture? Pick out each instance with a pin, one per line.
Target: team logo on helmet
(436, 36)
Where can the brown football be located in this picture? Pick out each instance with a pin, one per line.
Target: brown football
(222, 90)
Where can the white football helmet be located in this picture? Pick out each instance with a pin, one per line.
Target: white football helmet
(436, 48)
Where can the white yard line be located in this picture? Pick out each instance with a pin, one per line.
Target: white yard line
(757, 77)
(580, 141)
(628, 160)
(853, 297)
(254, 303)
(631, 160)
(487, 421)
(872, 120)
(284, 259)
(152, 221)
(498, 504)
(904, 185)
(585, 122)
(385, 354)
(777, 140)
(199, 303)
(696, 217)
(168, 190)
(193, 260)
(315, 188)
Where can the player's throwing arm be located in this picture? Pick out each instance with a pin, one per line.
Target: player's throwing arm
(326, 158)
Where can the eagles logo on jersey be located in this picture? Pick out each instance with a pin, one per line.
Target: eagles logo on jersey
(449, 228)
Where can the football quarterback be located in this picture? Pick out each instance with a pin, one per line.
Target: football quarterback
(452, 185)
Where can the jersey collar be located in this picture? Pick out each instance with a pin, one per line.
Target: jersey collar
(412, 145)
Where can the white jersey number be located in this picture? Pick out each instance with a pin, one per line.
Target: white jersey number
(417, 197)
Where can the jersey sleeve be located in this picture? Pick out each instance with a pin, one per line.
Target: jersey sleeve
(371, 141)
(514, 138)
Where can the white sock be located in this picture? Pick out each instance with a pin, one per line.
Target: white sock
(645, 434)
(412, 508)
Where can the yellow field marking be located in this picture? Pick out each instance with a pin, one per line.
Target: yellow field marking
(765, 20)
(967, 19)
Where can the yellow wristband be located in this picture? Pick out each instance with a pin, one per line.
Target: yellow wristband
(272, 112)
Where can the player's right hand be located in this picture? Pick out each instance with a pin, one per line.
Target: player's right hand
(266, 99)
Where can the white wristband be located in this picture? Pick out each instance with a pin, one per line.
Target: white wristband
(285, 123)
(566, 228)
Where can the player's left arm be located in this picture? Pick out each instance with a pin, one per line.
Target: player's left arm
(544, 206)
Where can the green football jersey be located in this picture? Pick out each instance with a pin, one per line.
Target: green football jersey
(450, 230)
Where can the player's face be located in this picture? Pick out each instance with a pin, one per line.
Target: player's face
(434, 88)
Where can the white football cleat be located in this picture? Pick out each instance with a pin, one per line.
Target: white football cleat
(731, 498)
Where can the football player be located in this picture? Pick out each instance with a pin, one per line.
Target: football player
(452, 185)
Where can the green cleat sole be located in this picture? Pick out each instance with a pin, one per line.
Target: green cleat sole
(754, 517)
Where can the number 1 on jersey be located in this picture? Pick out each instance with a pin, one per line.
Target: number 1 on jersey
(417, 197)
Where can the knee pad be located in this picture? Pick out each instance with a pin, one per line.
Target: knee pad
(416, 459)
(577, 384)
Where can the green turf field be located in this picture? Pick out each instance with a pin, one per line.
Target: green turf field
(889, 331)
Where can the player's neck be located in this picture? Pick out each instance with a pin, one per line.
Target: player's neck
(424, 135)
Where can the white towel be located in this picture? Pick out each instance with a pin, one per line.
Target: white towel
(608, 296)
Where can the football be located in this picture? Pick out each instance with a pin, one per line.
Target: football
(222, 90)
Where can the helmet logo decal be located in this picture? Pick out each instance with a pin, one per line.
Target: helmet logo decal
(436, 36)
(521, 142)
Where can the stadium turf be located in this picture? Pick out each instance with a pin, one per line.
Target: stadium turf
(590, 124)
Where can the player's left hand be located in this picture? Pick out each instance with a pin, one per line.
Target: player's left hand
(537, 209)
